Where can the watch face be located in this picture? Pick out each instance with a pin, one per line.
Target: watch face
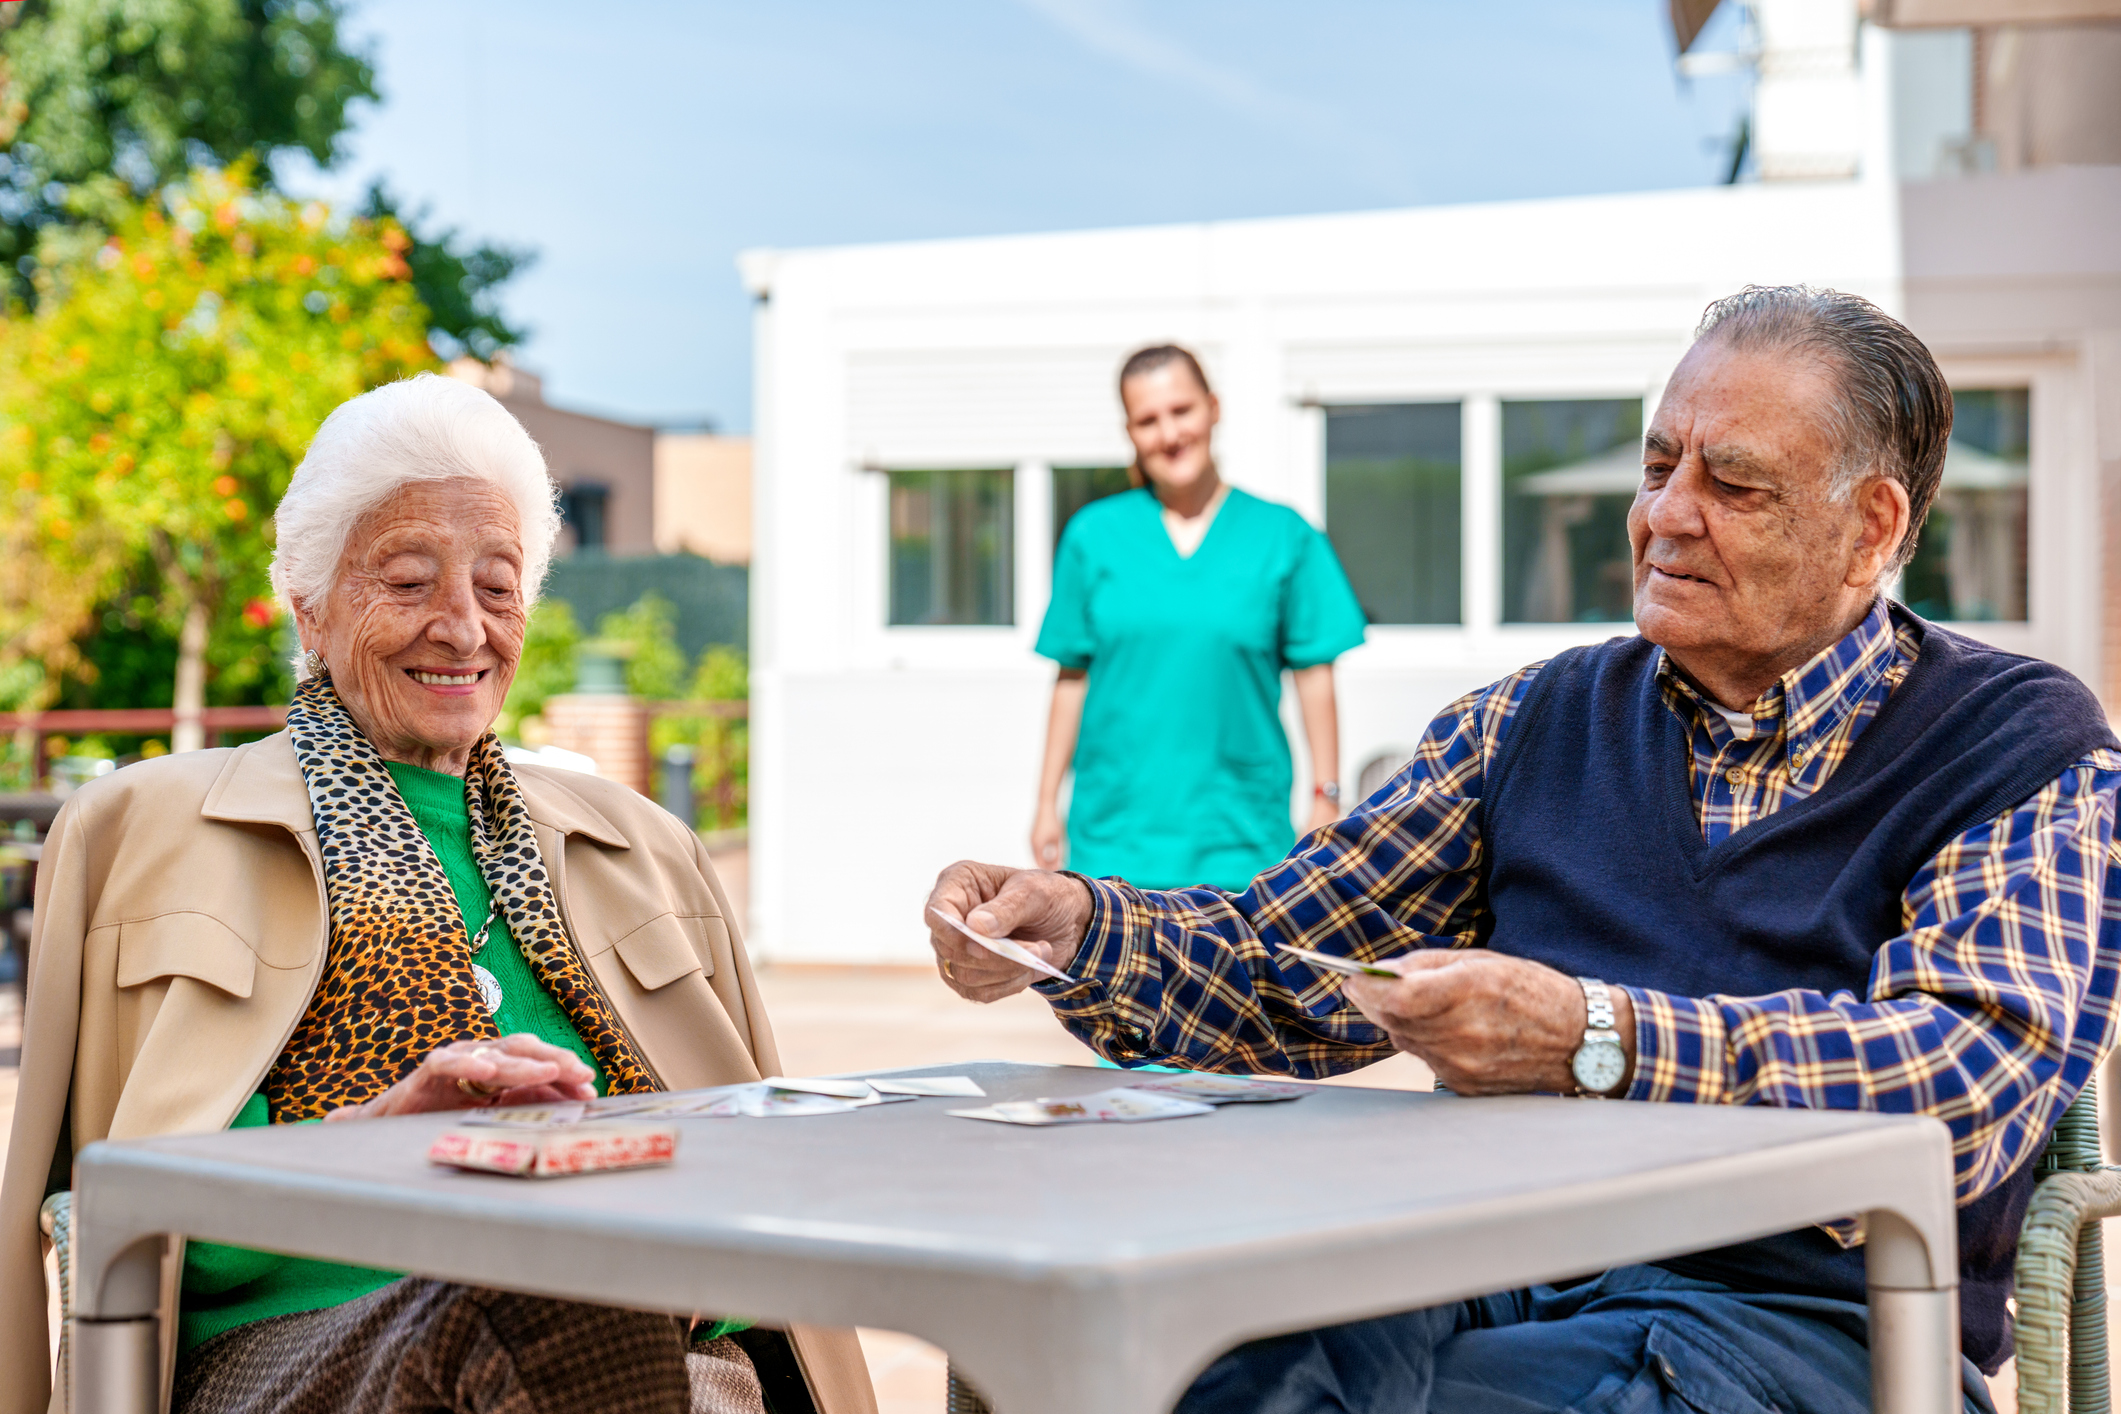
(1598, 1065)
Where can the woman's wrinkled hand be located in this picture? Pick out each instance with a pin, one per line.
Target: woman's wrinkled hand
(512, 1070)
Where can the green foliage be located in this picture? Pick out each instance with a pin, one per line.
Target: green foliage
(547, 666)
(656, 668)
(156, 404)
(458, 285)
(145, 89)
(721, 767)
(724, 675)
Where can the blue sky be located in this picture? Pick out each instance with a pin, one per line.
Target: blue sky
(638, 145)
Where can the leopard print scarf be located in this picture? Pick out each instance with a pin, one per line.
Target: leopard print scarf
(397, 978)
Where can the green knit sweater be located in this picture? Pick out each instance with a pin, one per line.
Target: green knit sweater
(225, 1287)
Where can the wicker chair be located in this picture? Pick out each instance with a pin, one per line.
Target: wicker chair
(2061, 1278)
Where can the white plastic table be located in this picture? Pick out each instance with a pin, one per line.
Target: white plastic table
(1091, 1269)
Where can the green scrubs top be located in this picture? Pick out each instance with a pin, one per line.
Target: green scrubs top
(1182, 771)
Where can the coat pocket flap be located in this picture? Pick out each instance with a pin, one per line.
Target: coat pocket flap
(195, 945)
(660, 951)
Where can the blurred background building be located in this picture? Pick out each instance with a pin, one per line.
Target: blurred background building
(1455, 394)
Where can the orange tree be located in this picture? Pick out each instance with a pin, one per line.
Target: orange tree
(183, 351)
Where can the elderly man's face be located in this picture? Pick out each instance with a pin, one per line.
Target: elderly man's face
(425, 627)
(1745, 564)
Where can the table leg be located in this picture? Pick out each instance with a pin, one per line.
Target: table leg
(1914, 1319)
(114, 1333)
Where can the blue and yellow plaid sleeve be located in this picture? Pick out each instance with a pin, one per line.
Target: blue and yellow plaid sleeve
(2001, 985)
(1194, 976)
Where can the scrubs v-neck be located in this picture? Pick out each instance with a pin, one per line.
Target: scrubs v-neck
(1182, 769)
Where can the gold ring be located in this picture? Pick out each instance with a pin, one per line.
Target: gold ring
(948, 975)
(477, 1091)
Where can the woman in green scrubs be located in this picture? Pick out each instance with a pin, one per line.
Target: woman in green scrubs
(1175, 608)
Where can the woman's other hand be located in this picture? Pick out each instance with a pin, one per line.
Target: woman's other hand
(1047, 913)
(1323, 813)
(513, 1070)
(1048, 839)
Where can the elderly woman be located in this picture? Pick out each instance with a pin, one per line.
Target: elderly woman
(373, 913)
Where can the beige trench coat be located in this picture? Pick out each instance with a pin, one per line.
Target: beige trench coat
(180, 932)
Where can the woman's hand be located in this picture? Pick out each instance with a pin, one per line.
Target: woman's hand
(513, 1070)
(1323, 813)
(1048, 839)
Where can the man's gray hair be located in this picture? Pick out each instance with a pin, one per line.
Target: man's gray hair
(1892, 412)
(423, 428)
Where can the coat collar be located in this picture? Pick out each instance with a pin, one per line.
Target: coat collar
(262, 785)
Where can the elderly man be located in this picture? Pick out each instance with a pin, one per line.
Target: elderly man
(1790, 846)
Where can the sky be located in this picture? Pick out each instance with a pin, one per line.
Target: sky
(637, 145)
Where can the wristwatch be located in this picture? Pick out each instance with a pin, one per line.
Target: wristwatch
(1599, 1064)
(1329, 789)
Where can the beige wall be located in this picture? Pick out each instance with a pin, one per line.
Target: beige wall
(581, 448)
(703, 496)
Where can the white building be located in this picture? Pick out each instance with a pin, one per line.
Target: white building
(1452, 393)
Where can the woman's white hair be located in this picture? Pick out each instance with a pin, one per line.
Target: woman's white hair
(423, 428)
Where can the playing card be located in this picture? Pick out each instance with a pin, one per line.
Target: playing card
(1326, 962)
(839, 1089)
(1219, 1089)
(528, 1116)
(1007, 947)
(928, 1085)
(1116, 1106)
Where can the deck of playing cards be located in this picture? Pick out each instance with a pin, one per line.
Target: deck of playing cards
(551, 1152)
(1115, 1106)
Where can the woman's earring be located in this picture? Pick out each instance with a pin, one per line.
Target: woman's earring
(313, 663)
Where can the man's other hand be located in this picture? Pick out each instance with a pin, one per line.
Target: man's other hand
(1047, 913)
(1485, 1023)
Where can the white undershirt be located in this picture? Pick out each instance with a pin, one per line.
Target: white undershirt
(1743, 726)
(1187, 532)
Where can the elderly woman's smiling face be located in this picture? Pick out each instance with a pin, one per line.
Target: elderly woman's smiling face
(424, 627)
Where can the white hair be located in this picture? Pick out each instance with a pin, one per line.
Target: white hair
(423, 428)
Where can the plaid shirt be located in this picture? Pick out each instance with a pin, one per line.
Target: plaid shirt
(1988, 1010)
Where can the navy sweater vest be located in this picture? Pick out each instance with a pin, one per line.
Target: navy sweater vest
(1596, 866)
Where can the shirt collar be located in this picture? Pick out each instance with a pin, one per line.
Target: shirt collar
(1809, 702)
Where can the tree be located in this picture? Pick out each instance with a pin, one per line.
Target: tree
(147, 89)
(159, 399)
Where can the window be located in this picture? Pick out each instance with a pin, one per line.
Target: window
(1077, 486)
(1969, 565)
(1570, 470)
(953, 547)
(1392, 508)
(582, 507)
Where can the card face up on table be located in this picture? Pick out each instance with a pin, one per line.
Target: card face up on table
(1116, 1106)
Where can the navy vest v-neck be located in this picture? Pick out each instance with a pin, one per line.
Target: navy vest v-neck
(1596, 865)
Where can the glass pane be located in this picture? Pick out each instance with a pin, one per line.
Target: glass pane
(1392, 495)
(953, 547)
(1077, 486)
(1570, 469)
(1969, 564)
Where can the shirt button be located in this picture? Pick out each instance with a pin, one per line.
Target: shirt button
(1735, 776)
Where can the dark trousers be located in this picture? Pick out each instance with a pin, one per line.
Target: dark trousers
(1637, 1340)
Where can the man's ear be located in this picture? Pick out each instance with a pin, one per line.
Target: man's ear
(1883, 505)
